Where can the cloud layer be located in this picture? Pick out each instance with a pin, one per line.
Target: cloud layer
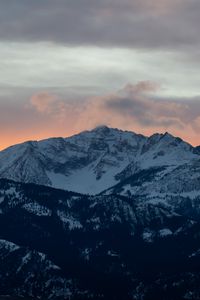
(135, 107)
(115, 23)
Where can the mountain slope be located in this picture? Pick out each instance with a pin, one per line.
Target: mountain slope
(28, 272)
(96, 247)
(162, 184)
(94, 161)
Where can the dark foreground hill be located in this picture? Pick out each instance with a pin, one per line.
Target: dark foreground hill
(56, 244)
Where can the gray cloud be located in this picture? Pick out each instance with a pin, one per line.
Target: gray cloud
(148, 110)
(114, 23)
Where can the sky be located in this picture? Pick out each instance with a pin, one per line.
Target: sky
(68, 66)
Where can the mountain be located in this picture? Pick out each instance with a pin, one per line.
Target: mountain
(29, 272)
(105, 214)
(97, 160)
(58, 245)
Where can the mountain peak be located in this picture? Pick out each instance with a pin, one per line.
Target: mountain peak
(167, 134)
(92, 161)
(101, 129)
(104, 129)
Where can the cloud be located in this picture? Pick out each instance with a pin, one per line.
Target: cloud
(55, 108)
(129, 23)
(141, 87)
(135, 107)
(138, 105)
(44, 102)
(161, 6)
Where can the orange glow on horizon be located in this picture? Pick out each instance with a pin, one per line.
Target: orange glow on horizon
(132, 108)
(17, 139)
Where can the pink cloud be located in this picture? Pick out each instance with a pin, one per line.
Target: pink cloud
(136, 107)
(44, 102)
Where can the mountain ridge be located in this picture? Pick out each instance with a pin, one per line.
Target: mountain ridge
(92, 161)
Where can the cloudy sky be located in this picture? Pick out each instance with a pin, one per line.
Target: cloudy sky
(71, 65)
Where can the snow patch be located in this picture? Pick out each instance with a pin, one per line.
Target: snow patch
(8, 245)
(69, 220)
(148, 236)
(37, 209)
(165, 232)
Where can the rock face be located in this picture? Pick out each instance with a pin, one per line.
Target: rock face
(56, 244)
(94, 161)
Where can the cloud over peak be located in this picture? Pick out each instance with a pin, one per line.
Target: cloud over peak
(135, 107)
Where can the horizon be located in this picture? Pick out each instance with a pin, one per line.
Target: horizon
(92, 129)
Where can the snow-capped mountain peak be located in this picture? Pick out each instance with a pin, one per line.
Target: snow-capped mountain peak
(94, 160)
